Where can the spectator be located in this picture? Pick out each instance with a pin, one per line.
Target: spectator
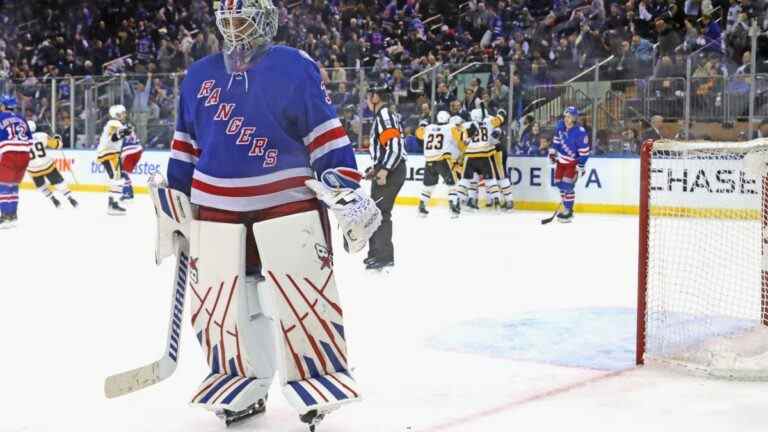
(140, 93)
(167, 56)
(212, 43)
(199, 48)
(762, 130)
(654, 132)
(642, 49)
(629, 142)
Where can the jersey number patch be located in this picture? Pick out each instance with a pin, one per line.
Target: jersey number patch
(37, 151)
(434, 142)
(482, 136)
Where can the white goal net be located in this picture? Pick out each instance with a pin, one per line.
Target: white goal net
(702, 285)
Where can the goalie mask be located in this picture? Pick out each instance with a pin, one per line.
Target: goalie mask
(245, 24)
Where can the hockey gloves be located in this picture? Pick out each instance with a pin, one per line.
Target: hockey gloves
(356, 212)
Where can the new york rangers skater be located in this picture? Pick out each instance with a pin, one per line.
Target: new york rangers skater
(569, 151)
(15, 144)
(255, 131)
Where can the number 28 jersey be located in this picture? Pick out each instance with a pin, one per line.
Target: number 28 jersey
(441, 141)
(481, 143)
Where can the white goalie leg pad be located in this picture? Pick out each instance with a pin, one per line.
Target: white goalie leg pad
(241, 359)
(174, 214)
(312, 350)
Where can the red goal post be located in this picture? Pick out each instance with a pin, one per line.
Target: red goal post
(703, 257)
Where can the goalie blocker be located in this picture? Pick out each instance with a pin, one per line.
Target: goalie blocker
(256, 311)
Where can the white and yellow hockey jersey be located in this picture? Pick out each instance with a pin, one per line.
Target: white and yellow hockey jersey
(442, 141)
(40, 160)
(109, 149)
(481, 144)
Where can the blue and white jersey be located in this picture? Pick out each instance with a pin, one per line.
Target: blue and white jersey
(248, 141)
(15, 135)
(571, 145)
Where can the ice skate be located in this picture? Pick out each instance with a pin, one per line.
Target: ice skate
(423, 209)
(253, 410)
(455, 210)
(472, 204)
(312, 419)
(73, 202)
(114, 208)
(509, 206)
(379, 264)
(56, 203)
(565, 216)
(8, 221)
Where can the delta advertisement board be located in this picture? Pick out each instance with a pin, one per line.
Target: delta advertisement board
(611, 185)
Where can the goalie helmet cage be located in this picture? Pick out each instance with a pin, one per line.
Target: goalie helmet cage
(702, 301)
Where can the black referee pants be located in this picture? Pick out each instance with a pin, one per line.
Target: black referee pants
(380, 246)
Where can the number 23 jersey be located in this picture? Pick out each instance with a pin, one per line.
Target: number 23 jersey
(248, 141)
(441, 141)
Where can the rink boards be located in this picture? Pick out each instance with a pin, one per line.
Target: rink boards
(611, 184)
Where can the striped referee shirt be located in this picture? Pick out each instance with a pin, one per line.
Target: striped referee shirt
(387, 141)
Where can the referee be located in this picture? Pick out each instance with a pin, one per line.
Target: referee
(387, 174)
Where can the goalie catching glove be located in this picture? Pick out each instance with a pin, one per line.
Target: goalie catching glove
(355, 211)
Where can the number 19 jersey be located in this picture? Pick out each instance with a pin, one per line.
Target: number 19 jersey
(441, 141)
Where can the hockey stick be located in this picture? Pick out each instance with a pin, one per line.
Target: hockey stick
(71, 171)
(145, 376)
(554, 215)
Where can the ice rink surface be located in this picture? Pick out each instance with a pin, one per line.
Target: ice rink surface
(492, 322)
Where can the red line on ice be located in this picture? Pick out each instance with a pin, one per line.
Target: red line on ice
(450, 424)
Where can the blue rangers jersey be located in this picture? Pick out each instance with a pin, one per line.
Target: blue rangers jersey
(248, 141)
(14, 134)
(571, 145)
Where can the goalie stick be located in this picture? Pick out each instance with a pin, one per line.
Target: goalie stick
(145, 376)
